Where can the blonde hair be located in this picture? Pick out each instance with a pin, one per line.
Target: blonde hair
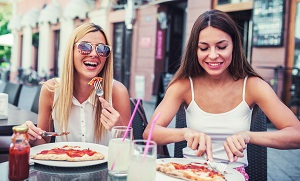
(63, 104)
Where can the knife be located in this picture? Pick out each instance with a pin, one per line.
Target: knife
(54, 133)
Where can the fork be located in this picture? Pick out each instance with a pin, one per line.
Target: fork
(219, 167)
(98, 88)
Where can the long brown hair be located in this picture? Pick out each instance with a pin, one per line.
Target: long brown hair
(239, 68)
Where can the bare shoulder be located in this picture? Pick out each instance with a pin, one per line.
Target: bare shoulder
(256, 83)
(257, 90)
(47, 90)
(180, 85)
(48, 86)
(51, 84)
(120, 94)
(179, 90)
(118, 87)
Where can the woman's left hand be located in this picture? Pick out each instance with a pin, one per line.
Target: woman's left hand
(109, 116)
(235, 145)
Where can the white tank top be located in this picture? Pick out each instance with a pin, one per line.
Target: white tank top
(219, 126)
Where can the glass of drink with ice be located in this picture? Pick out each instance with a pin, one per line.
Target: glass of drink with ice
(142, 164)
(119, 151)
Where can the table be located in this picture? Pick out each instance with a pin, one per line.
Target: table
(16, 116)
(42, 172)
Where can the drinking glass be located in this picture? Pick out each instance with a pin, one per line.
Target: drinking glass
(119, 151)
(142, 164)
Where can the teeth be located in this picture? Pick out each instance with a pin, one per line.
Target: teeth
(91, 63)
(214, 64)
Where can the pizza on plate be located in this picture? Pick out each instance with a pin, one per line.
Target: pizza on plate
(191, 171)
(95, 79)
(68, 153)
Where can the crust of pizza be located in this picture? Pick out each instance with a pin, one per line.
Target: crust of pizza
(68, 153)
(95, 79)
(188, 174)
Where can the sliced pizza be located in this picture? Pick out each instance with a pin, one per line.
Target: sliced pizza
(68, 153)
(191, 171)
(95, 79)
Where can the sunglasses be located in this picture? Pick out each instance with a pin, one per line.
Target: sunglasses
(85, 48)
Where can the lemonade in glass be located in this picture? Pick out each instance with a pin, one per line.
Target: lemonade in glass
(119, 151)
(142, 164)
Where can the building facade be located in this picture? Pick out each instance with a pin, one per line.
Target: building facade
(149, 36)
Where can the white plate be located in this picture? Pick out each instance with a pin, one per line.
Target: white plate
(99, 148)
(231, 175)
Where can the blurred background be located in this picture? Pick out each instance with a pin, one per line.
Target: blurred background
(148, 39)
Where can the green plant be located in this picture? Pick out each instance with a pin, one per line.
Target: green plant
(5, 15)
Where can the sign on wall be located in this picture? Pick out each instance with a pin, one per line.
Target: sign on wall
(159, 45)
(268, 22)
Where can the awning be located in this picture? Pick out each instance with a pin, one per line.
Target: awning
(50, 13)
(7, 39)
(15, 23)
(77, 8)
(31, 18)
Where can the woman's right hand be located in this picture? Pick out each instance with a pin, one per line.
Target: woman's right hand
(199, 142)
(33, 131)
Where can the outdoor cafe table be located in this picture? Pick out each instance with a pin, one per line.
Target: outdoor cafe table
(42, 172)
(16, 116)
(88, 173)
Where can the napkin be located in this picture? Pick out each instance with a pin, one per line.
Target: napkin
(3, 105)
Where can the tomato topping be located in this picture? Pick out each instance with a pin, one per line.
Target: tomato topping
(69, 152)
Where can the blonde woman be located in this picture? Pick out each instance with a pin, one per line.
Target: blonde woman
(70, 103)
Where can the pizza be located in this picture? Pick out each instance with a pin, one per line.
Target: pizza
(191, 171)
(68, 153)
(95, 79)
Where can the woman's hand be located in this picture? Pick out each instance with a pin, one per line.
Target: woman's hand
(109, 116)
(199, 142)
(33, 131)
(235, 145)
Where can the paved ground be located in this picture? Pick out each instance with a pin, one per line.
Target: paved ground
(283, 165)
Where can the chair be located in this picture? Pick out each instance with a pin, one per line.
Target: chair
(139, 124)
(257, 155)
(35, 104)
(180, 123)
(27, 96)
(13, 91)
(2, 86)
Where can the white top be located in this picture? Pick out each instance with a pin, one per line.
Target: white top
(81, 123)
(219, 127)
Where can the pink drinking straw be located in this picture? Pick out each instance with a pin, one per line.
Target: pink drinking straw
(128, 127)
(131, 119)
(150, 135)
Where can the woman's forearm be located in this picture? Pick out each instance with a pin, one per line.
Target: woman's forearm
(287, 138)
(162, 135)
